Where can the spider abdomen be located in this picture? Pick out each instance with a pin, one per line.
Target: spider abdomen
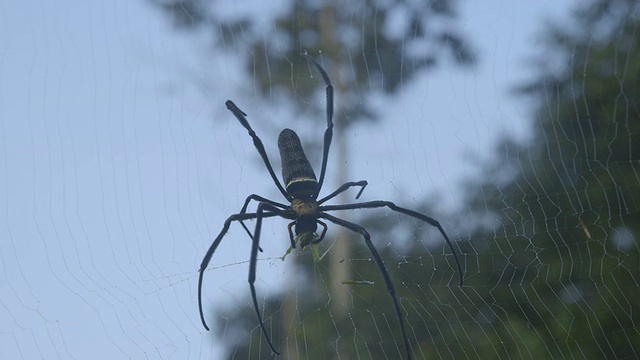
(298, 176)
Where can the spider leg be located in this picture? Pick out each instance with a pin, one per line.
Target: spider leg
(324, 232)
(212, 249)
(328, 134)
(241, 116)
(253, 260)
(383, 269)
(379, 203)
(343, 188)
(257, 198)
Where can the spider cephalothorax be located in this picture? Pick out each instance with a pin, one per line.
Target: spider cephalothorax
(305, 211)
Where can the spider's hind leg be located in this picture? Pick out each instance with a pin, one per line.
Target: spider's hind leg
(414, 214)
(383, 270)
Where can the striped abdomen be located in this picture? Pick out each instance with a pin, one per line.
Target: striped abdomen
(298, 176)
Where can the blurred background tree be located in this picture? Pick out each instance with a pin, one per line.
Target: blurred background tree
(558, 270)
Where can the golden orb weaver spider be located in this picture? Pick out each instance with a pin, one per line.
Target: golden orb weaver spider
(305, 211)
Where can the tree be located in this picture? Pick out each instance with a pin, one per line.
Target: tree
(561, 265)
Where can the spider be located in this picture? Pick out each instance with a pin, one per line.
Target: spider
(305, 210)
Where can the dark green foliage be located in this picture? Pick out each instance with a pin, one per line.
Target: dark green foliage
(354, 34)
(184, 14)
(562, 269)
(387, 59)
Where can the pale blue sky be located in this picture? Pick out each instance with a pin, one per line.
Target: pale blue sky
(117, 169)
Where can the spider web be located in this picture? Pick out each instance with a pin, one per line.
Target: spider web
(120, 164)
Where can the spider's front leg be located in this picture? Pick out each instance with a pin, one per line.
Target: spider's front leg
(212, 249)
(256, 198)
(328, 133)
(241, 116)
(264, 210)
